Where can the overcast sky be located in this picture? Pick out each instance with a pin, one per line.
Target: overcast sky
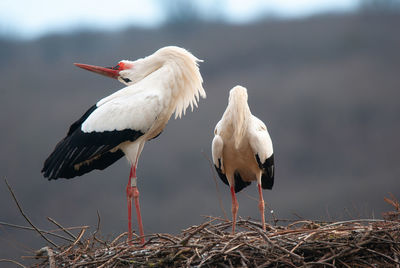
(30, 19)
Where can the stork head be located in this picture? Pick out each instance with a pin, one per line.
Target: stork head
(238, 94)
(129, 72)
(121, 71)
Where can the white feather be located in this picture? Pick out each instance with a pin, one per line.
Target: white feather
(217, 151)
(137, 112)
(135, 107)
(259, 139)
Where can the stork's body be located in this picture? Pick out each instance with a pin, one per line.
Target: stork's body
(165, 82)
(242, 150)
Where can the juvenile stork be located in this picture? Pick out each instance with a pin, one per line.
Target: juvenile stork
(165, 82)
(242, 150)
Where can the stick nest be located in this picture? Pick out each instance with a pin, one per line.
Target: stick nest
(355, 243)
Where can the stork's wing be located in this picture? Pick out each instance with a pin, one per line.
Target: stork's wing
(92, 141)
(134, 112)
(217, 149)
(261, 144)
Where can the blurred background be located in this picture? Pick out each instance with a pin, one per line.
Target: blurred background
(323, 75)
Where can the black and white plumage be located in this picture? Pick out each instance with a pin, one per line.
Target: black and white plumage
(242, 150)
(165, 82)
(81, 152)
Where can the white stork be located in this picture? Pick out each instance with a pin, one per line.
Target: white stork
(165, 82)
(242, 150)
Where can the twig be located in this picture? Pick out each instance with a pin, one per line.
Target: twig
(97, 230)
(238, 235)
(298, 222)
(165, 237)
(62, 228)
(314, 264)
(98, 223)
(360, 220)
(118, 238)
(233, 248)
(383, 255)
(302, 241)
(50, 254)
(344, 264)
(266, 238)
(26, 217)
(216, 184)
(12, 261)
(243, 258)
(33, 229)
(114, 257)
(271, 211)
(76, 241)
(184, 240)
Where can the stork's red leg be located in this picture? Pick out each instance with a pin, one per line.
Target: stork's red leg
(139, 216)
(261, 206)
(132, 191)
(129, 194)
(235, 207)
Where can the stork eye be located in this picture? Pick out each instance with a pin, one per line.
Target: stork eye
(127, 80)
(116, 67)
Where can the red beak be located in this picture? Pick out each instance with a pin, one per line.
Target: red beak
(112, 72)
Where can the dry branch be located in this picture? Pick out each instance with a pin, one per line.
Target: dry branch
(26, 217)
(14, 262)
(32, 229)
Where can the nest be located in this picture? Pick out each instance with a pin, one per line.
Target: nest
(354, 243)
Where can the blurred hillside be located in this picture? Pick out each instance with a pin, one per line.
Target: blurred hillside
(327, 87)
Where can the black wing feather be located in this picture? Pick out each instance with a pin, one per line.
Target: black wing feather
(79, 152)
(268, 174)
(78, 123)
(221, 175)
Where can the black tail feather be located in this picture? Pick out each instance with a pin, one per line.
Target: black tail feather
(239, 182)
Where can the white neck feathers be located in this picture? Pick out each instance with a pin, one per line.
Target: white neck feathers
(187, 81)
(238, 113)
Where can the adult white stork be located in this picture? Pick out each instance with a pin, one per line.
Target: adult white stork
(242, 150)
(165, 82)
